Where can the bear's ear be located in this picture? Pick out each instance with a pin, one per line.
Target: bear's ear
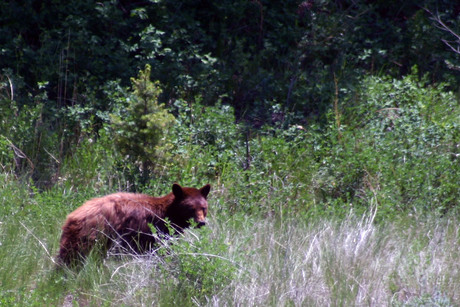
(177, 191)
(205, 190)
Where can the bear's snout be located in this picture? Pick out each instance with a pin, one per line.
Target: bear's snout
(200, 224)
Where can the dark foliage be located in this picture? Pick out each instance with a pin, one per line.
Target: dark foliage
(65, 66)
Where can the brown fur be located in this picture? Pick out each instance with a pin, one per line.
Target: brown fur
(126, 217)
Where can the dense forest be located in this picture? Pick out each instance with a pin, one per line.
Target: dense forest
(307, 118)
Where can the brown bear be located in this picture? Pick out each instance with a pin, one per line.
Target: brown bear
(126, 218)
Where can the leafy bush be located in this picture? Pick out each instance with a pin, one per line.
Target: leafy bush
(398, 146)
(21, 132)
(206, 142)
(198, 263)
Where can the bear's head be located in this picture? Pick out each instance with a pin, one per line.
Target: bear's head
(188, 204)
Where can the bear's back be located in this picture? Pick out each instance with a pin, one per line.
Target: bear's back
(118, 210)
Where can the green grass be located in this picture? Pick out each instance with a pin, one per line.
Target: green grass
(239, 259)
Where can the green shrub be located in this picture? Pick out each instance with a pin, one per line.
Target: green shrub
(140, 128)
(94, 165)
(198, 264)
(206, 142)
(398, 147)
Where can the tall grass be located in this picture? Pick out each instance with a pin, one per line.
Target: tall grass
(240, 259)
(352, 262)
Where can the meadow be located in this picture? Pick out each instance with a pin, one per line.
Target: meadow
(262, 259)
